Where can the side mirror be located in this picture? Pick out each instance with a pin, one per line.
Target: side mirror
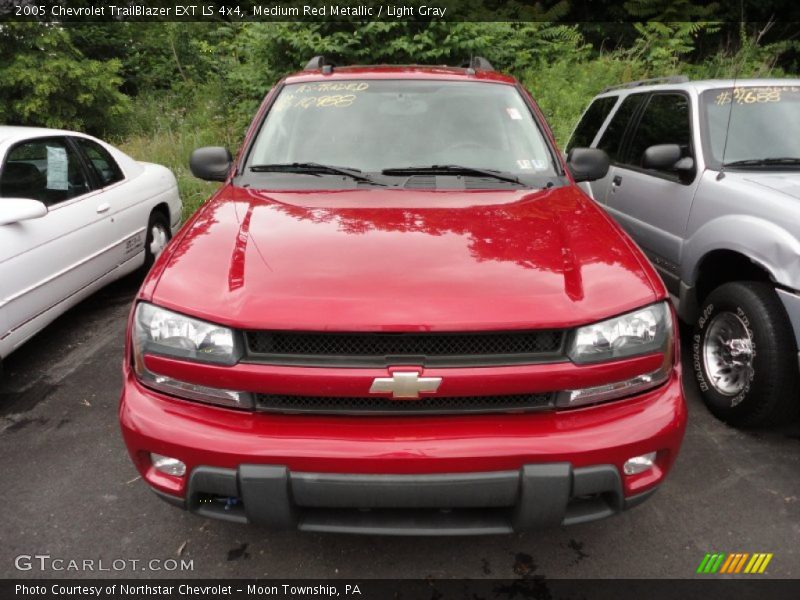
(211, 163)
(14, 210)
(684, 165)
(587, 164)
(662, 157)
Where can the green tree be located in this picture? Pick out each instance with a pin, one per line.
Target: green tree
(46, 81)
(266, 51)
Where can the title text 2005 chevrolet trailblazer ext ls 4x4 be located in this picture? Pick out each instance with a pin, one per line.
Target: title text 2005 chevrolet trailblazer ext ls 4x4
(400, 314)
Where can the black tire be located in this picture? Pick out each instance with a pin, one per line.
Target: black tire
(770, 389)
(157, 220)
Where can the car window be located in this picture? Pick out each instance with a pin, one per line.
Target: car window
(377, 125)
(751, 123)
(45, 169)
(614, 135)
(665, 121)
(590, 122)
(100, 159)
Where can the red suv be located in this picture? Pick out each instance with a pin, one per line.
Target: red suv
(399, 314)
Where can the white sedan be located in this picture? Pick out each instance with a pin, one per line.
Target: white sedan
(75, 214)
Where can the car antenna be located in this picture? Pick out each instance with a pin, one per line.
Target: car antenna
(721, 174)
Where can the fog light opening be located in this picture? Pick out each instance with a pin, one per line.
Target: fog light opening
(639, 464)
(168, 465)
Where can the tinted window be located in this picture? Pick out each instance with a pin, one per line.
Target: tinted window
(613, 136)
(665, 121)
(590, 123)
(44, 169)
(104, 165)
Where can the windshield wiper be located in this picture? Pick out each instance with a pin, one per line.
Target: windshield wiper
(453, 170)
(764, 162)
(312, 168)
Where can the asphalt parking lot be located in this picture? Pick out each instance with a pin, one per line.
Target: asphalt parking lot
(70, 491)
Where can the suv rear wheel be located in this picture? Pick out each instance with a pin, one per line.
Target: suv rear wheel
(745, 358)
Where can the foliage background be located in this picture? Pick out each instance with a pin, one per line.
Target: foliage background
(159, 90)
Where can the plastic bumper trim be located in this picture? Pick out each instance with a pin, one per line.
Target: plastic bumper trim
(534, 497)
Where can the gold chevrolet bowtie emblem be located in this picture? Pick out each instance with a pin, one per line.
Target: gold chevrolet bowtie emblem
(405, 384)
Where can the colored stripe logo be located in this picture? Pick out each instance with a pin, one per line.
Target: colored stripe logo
(737, 562)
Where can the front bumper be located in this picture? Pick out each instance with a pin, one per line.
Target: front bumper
(534, 497)
(469, 474)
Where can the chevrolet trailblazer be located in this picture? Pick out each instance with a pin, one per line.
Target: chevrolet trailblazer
(399, 314)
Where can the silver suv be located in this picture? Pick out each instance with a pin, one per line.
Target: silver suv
(705, 176)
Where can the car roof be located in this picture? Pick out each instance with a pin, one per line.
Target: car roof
(701, 85)
(15, 132)
(401, 72)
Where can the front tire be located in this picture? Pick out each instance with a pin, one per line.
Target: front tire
(745, 356)
(158, 235)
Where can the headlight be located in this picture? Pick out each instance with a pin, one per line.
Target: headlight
(162, 331)
(166, 333)
(642, 331)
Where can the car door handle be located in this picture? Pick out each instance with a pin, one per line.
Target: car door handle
(617, 181)
(103, 207)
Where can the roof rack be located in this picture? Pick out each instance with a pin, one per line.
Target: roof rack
(319, 63)
(477, 63)
(652, 81)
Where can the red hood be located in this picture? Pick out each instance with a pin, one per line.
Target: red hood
(402, 260)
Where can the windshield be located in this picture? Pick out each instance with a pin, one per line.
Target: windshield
(394, 124)
(764, 123)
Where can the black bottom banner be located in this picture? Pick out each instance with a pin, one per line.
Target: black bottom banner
(427, 589)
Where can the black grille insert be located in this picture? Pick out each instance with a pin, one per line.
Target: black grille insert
(480, 348)
(424, 405)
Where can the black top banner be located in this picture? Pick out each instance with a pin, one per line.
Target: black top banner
(87, 11)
